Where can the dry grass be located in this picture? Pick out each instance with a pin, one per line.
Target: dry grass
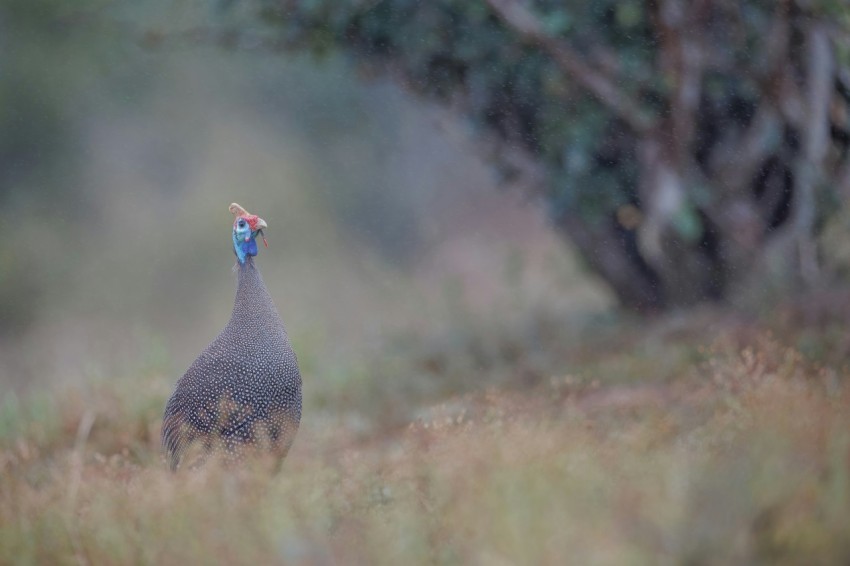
(739, 457)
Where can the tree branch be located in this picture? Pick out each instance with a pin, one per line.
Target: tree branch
(527, 25)
(681, 62)
(736, 158)
(735, 162)
(842, 84)
(815, 144)
(843, 182)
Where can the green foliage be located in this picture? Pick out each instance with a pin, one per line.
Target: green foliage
(448, 49)
(592, 142)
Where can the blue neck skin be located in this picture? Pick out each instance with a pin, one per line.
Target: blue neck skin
(244, 249)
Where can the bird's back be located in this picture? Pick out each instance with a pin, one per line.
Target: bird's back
(245, 387)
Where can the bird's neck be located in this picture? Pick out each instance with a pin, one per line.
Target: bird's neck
(252, 298)
(250, 288)
(241, 266)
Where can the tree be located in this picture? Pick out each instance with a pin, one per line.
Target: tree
(684, 147)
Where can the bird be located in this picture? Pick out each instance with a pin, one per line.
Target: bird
(243, 392)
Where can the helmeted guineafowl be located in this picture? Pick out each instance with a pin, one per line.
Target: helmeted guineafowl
(244, 390)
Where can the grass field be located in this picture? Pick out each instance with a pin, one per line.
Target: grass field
(711, 441)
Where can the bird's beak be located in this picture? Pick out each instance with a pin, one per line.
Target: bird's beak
(260, 225)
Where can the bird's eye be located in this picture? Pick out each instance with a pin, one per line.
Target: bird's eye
(241, 223)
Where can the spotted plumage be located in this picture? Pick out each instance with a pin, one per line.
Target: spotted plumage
(244, 390)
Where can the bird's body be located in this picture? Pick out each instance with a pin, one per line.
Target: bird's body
(244, 390)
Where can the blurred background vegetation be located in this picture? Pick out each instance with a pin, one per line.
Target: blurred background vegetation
(688, 151)
(669, 149)
(611, 233)
(127, 131)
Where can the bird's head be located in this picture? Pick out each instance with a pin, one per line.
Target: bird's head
(246, 228)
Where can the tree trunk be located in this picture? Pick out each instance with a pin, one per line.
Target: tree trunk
(611, 252)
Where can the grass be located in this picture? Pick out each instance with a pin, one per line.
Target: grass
(710, 441)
